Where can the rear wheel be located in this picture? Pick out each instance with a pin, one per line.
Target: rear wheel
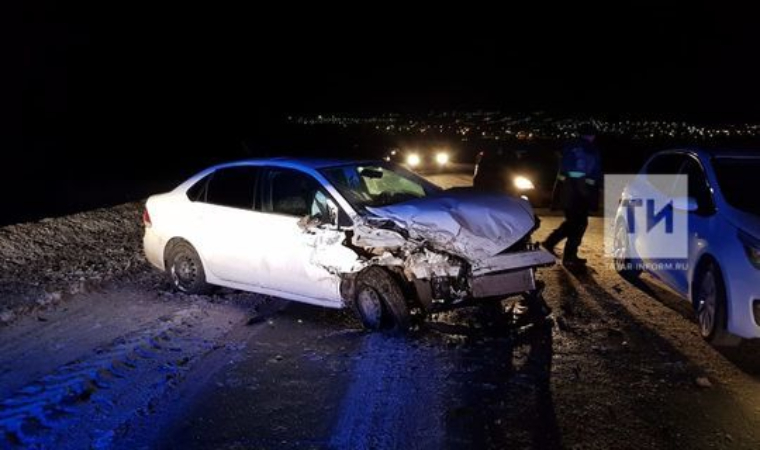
(711, 306)
(186, 269)
(379, 301)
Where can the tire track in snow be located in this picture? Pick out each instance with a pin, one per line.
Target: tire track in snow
(395, 399)
(84, 402)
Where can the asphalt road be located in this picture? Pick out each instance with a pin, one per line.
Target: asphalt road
(617, 365)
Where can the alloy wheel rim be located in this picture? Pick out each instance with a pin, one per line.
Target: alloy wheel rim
(707, 303)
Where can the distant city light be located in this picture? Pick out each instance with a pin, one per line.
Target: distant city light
(499, 126)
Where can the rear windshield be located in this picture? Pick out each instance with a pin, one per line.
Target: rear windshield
(738, 180)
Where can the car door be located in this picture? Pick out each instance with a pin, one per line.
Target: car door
(227, 222)
(651, 186)
(700, 223)
(289, 251)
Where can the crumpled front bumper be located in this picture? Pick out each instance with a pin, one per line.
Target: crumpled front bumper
(508, 273)
(502, 275)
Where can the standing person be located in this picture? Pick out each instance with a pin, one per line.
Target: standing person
(577, 190)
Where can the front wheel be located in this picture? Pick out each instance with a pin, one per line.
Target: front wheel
(626, 267)
(711, 306)
(380, 302)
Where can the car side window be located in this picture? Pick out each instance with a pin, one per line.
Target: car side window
(233, 186)
(293, 193)
(298, 194)
(668, 164)
(197, 192)
(698, 186)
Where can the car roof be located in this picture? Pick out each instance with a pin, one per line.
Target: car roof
(733, 153)
(301, 163)
(706, 154)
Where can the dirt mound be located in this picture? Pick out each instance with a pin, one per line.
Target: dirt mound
(43, 262)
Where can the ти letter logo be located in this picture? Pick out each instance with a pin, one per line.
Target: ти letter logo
(645, 206)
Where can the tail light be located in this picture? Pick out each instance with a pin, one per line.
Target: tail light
(146, 218)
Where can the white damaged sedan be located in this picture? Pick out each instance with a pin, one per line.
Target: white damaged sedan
(368, 235)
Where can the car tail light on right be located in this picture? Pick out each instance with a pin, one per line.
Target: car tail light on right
(146, 218)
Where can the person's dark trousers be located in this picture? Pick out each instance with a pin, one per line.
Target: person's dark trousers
(572, 229)
(577, 222)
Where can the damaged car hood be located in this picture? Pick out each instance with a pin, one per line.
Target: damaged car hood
(466, 223)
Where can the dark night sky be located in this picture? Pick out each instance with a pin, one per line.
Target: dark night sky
(140, 76)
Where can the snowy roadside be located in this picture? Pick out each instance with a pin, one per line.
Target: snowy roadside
(44, 262)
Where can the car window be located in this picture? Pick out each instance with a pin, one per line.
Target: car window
(233, 187)
(197, 192)
(667, 164)
(698, 186)
(377, 184)
(294, 193)
(736, 176)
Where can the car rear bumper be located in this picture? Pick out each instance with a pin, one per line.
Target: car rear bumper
(153, 246)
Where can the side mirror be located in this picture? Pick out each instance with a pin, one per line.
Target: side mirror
(688, 204)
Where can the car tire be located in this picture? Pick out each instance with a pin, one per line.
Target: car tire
(185, 269)
(710, 304)
(626, 267)
(380, 302)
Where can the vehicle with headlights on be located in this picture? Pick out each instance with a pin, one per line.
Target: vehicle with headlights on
(512, 172)
(721, 276)
(435, 159)
(369, 235)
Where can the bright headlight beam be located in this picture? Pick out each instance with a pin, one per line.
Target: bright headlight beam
(413, 160)
(442, 158)
(523, 183)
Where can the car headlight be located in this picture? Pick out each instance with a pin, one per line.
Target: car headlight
(413, 160)
(523, 184)
(442, 158)
(752, 247)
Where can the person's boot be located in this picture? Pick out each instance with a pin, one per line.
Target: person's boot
(549, 247)
(574, 261)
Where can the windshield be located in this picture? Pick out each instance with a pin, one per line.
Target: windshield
(736, 178)
(377, 184)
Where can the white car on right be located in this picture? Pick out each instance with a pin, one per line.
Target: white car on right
(721, 276)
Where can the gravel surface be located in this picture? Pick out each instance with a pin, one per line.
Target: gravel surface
(41, 263)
